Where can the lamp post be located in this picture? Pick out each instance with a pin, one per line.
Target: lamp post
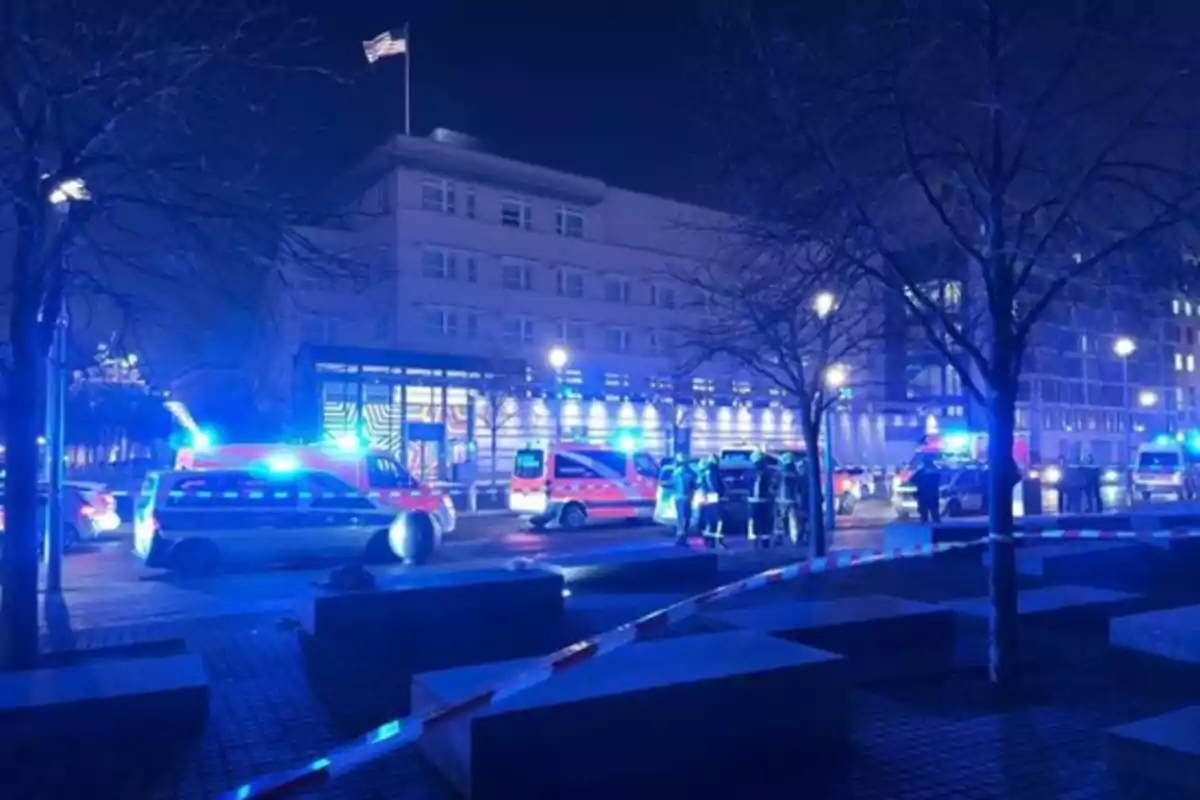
(836, 376)
(558, 358)
(1124, 347)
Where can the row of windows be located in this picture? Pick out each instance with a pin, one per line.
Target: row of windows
(518, 274)
(439, 194)
(442, 322)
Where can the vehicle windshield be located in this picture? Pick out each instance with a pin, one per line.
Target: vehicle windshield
(1168, 460)
(529, 463)
(386, 473)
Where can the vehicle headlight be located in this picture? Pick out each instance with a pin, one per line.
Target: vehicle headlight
(1052, 475)
(1111, 476)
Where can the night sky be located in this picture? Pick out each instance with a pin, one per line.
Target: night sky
(610, 89)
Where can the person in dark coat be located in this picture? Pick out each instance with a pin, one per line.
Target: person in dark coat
(1091, 485)
(762, 502)
(928, 482)
(712, 496)
(684, 484)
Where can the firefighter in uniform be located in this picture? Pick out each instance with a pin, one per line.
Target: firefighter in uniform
(787, 498)
(684, 485)
(762, 502)
(712, 493)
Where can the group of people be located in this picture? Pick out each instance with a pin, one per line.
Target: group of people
(1079, 487)
(777, 498)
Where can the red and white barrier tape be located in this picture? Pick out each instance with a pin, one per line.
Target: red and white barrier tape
(400, 732)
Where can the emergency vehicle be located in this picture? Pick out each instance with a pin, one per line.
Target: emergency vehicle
(1165, 468)
(847, 485)
(570, 483)
(953, 451)
(373, 473)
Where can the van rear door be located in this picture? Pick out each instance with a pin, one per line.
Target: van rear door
(528, 492)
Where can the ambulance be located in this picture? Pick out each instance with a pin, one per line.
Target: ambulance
(373, 473)
(570, 484)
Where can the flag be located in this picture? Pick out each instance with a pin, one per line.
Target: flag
(388, 43)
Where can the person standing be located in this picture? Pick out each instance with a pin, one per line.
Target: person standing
(684, 485)
(712, 496)
(928, 482)
(762, 502)
(787, 498)
(1091, 485)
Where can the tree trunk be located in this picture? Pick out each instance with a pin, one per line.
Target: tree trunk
(1002, 578)
(816, 514)
(22, 531)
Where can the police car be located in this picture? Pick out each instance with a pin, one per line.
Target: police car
(199, 521)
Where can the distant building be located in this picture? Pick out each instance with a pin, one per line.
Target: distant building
(480, 265)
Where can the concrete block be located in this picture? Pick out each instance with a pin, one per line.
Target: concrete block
(641, 567)
(1171, 633)
(109, 702)
(1152, 757)
(881, 636)
(433, 619)
(1057, 604)
(734, 701)
(1109, 564)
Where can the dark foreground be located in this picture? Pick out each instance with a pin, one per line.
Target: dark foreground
(933, 737)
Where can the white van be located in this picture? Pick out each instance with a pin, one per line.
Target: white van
(1163, 469)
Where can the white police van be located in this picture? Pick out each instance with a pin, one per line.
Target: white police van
(199, 521)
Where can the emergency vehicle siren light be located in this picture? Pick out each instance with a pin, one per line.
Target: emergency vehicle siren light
(1164, 438)
(956, 442)
(283, 462)
(202, 439)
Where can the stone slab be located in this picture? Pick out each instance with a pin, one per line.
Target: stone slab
(433, 619)
(648, 567)
(727, 699)
(881, 636)
(1116, 561)
(1067, 603)
(1171, 633)
(109, 701)
(1151, 756)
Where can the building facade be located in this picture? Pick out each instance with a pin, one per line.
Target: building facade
(480, 265)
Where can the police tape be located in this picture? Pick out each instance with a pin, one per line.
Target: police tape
(401, 732)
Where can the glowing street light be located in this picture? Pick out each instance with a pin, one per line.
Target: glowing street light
(557, 358)
(1147, 398)
(1124, 347)
(69, 191)
(836, 376)
(823, 304)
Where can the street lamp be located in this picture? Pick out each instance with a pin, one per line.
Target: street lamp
(1147, 398)
(823, 304)
(558, 358)
(1124, 347)
(836, 376)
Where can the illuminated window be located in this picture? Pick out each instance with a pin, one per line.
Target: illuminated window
(1191, 363)
(1175, 306)
(437, 194)
(1187, 308)
(516, 212)
(569, 222)
(1179, 362)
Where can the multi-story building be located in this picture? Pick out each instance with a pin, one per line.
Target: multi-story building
(480, 265)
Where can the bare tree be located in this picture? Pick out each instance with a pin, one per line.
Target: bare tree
(1005, 150)
(796, 316)
(500, 395)
(135, 150)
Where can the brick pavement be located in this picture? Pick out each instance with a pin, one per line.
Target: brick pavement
(914, 739)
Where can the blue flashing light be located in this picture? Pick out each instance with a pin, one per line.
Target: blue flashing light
(956, 442)
(1164, 438)
(283, 462)
(1193, 441)
(348, 442)
(202, 439)
(627, 441)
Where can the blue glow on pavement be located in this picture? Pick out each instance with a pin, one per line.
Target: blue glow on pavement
(283, 462)
(388, 730)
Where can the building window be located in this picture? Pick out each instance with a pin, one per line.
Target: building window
(516, 213)
(1191, 363)
(1179, 362)
(662, 296)
(1175, 306)
(518, 330)
(472, 269)
(570, 282)
(437, 194)
(616, 340)
(569, 222)
(472, 326)
(571, 334)
(617, 290)
(441, 322)
(661, 342)
(516, 274)
(439, 264)
(469, 203)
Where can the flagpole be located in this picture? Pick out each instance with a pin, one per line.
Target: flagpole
(407, 81)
